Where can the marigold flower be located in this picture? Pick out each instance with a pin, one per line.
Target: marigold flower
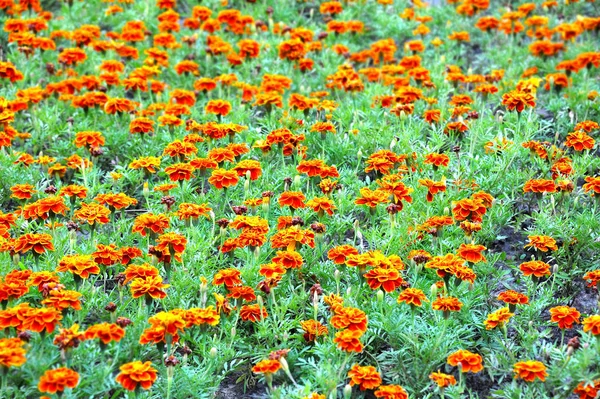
(222, 178)
(471, 253)
(349, 340)
(587, 391)
(518, 100)
(57, 380)
(592, 184)
(266, 366)
(592, 324)
(39, 243)
(413, 297)
(565, 316)
(513, 298)
(228, 277)
(339, 254)
(580, 141)
(442, 380)
(391, 392)
(92, 213)
(253, 313)
(136, 374)
(22, 191)
(218, 107)
(150, 223)
(535, 268)
(79, 265)
(63, 299)
(150, 287)
(447, 304)
(468, 361)
(366, 377)
(539, 186)
(12, 353)
(542, 243)
(293, 199)
(313, 329)
(106, 332)
(388, 279)
(498, 318)
(349, 318)
(530, 370)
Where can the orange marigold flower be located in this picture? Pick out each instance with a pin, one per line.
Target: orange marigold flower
(513, 298)
(388, 279)
(146, 163)
(228, 277)
(79, 265)
(592, 184)
(391, 392)
(253, 313)
(150, 287)
(293, 199)
(92, 213)
(12, 353)
(222, 178)
(339, 254)
(469, 208)
(266, 366)
(498, 318)
(530, 370)
(63, 299)
(593, 277)
(141, 125)
(413, 297)
(349, 318)
(587, 391)
(180, 171)
(433, 187)
(471, 253)
(150, 223)
(469, 362)
(442, 380)
(106, 332)
(447, 304)
(349, 340)
(372, 198)
(313, 329)
(518, 100)
(136, 374)
(592, 324)
(366, 377)
(57, 380)
(539, 186)
(565, 316)
(39, 319)
(437, 160)
(22, 191)
(218, 107)
(542, 243)
(580, 141)
(39, 243)
(535, 268)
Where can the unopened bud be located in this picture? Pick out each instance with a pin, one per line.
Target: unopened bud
(214, 352)
(347, 391)
(433, 290)
(379, 296)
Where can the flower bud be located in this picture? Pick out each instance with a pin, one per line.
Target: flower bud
(379, 296)
(214, 352)
(433, 290)
(347, 391)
